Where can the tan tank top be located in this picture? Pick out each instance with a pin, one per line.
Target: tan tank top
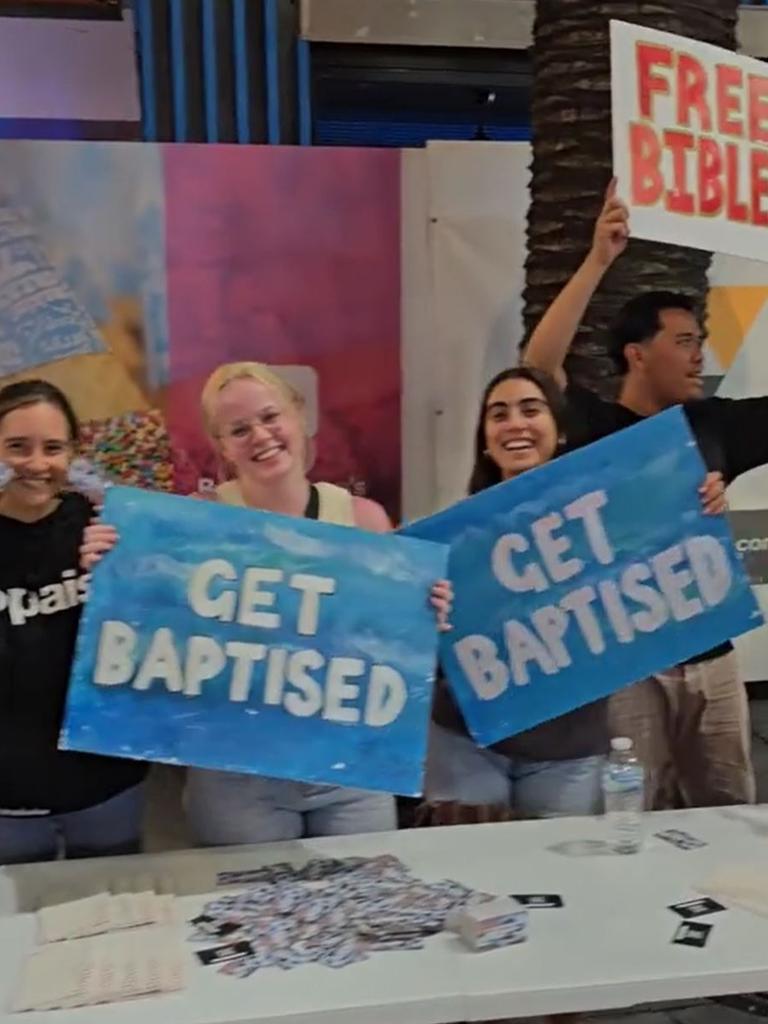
(335, 504)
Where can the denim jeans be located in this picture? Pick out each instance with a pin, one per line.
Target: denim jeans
(107, 829)
(226, 809)
(457, 769)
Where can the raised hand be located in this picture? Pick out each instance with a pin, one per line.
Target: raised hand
(611, 229)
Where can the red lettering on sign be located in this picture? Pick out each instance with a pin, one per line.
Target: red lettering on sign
(758, 108)
(728, 102)
(649, 57)
(736, 208)
(692, 92)
(679, 199)
(758, 171)
(645, 152)
(710, 178)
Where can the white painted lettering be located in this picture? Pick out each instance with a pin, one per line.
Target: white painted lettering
(311, 588)
(387, 696)
(531, 578)
(580, 603)
(115, 654)
(200, 601)
(656, 612)
(523, 646)
(274, 683)
(551, 623)
(338, 692)
(673, 579)
(245, 654)
(485, 673)
(205, 659)
(587, 509)
(552, 548)
(616, 611)
(711, 569)
(160, 662)
(309, 698)
(253, 597)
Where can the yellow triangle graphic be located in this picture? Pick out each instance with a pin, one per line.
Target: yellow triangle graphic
(731, 311)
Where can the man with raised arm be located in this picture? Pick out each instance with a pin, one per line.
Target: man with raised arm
(690, 724)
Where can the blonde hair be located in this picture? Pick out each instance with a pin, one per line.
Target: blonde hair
(260, 372)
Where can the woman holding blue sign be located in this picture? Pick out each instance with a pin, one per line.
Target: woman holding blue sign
(554, 768)
(256, 422)
(52, 802)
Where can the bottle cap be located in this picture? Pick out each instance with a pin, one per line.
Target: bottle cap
(621, 743)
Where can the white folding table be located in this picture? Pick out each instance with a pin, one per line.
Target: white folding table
(609, 947)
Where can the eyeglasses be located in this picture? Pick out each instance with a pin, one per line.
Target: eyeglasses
(242, 430)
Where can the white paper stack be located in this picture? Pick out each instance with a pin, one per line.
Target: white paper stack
(111, 968)
(96, 915)
(492, 923)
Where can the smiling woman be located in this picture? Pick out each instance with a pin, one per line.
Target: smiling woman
(521, 425)
(554, 768)
(256, 422)
(51, 801)
(37, 433)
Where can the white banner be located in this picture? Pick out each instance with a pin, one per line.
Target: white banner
(690, 141)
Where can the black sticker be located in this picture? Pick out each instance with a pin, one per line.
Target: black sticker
(682, 840)
(226, 928)
(536, 901)
(692, 933)
(697, 908)
(223, 954)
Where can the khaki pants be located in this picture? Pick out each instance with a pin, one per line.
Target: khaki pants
(691, 730)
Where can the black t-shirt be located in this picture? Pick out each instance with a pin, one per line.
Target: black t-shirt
(41, 596)
(732, 434)
(583, 732)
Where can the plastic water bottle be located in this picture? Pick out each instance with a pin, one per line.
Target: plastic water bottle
(624, 795)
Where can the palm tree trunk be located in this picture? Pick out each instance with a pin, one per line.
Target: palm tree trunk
(572, 163)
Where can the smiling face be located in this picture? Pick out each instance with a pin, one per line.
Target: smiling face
(671, 363)
(258, 430)
(36, 443)
(520, 430)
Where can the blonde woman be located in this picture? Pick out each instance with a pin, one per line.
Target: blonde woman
(256, 422)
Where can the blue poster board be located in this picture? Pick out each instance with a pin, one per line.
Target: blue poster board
(235, 639)
(586, 574)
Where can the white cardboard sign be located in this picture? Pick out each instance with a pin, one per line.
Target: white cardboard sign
(690, 141)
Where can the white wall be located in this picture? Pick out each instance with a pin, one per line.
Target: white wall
(464, 211)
